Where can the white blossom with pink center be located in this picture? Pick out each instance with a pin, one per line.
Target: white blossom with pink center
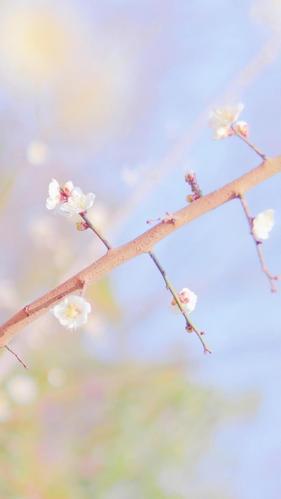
(72, 312)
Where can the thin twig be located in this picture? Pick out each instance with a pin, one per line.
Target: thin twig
(271, 277)
(16, 355)
(95, 230)
(189, 325)
(249, 144)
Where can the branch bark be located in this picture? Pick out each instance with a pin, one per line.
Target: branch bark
(142, 244)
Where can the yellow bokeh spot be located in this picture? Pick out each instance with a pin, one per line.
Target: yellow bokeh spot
(34, 42)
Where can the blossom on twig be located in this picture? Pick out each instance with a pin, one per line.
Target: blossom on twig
(188, 300)
(78, 202)
(69, 199)
(72, 312)
(241, 128)
(223, 119)
(263, 224)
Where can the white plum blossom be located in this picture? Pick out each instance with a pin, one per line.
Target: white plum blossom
(78, 202)
(72, 312)
(223, 118)
(22, 389)
(263, 224)
(68, 199)
(188, 300)
(58, 194)
(54, 197)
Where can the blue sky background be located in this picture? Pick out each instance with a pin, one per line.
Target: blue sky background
(130, 87)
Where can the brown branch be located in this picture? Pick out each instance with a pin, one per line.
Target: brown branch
(271, 277)
(142, 244)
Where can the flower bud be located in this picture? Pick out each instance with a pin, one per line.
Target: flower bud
(81, 226)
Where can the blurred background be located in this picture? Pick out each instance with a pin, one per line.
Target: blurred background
(115, 96)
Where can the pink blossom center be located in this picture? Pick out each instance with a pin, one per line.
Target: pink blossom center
(183, 298)
(64, 194)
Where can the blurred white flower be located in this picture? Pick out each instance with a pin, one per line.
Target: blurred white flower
(221, 120)
(43, 232)
(22, 389)
(37, 152)
(130, 176)
(58, 194)
(56, 377)
(263, 224)
(188, 299)
(77, 202)
(72, 312)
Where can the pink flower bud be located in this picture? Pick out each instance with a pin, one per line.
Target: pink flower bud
(82, 226)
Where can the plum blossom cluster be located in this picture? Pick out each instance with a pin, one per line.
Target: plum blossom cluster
(68, 199)
(224, 122)
(187, 299)
(262, 225)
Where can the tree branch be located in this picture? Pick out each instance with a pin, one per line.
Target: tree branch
(142, 244)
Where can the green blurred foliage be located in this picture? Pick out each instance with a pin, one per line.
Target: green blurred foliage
(101, 293)
(7, 182)
(114, 432)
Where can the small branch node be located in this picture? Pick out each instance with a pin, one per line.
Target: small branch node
(27, 311)
(167, 219)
